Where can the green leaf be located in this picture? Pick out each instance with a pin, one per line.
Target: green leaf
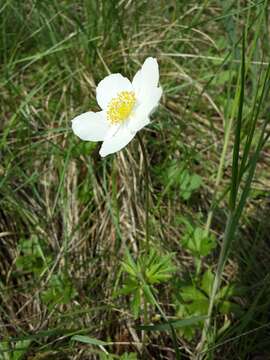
(176, 176)
(228, 307)
(188, 184)
(88, 340)
(228, 291)
(175, 324)
(198, 307)
(128, 288)
(129, 265)
(4, 350)
(195, 182)
(148, 294)
(21, 348)
(31, 257)
(190, 293)
(129, 269)
(192, 302)
(198, 242)
(207, 281)
(60, 290)
(136, 303)
(129, 356)
(158, 269)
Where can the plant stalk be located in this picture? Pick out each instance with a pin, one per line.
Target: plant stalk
(146, 180)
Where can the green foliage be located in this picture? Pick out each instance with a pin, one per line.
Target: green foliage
(60, 290)
(193, 300)
(125, 356)
(197, 240)
(129, 356)
(31, 256)
(32, 259)
(176, 324)
(87, 340)
(150, 269)
(83, 148)
(14, 351)
(188, 183)
(178, 177)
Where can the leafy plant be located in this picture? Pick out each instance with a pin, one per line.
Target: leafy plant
(188, 183)
(15, 351)
(181, 179)
(31, 256)
(198, 240)
(193, 299)
(60, 290)
(150, 269)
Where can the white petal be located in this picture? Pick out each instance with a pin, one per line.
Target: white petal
(116, 142)
(109, 87)
(91, 126)
(146, 78)
(142, 112)
(137, 123)
(113, 129)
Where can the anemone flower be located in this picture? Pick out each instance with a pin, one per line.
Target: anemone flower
(126, 107)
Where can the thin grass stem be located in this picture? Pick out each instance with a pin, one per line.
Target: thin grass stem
(146, 171)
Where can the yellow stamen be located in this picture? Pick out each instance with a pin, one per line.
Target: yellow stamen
(121, 106)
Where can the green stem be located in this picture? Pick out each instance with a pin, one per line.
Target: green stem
(146, 171)
(219, 174)
(217, 280)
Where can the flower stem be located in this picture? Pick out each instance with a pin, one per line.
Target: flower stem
(146, 180)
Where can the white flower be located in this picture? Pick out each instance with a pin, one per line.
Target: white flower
(126, 107)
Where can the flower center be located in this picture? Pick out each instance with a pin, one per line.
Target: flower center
(121, 106)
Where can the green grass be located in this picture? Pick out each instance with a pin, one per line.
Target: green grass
(68, 287)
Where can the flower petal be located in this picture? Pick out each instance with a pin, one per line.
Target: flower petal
(146, 78)
(137, 123)
(109, 87)
(113, 129)
(91, 126)
(116, 142)
(144, 109)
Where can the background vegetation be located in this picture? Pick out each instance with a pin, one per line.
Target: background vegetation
(68, 287)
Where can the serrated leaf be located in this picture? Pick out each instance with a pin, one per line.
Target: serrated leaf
(198, 307)
(198, 242)
(190, 293)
